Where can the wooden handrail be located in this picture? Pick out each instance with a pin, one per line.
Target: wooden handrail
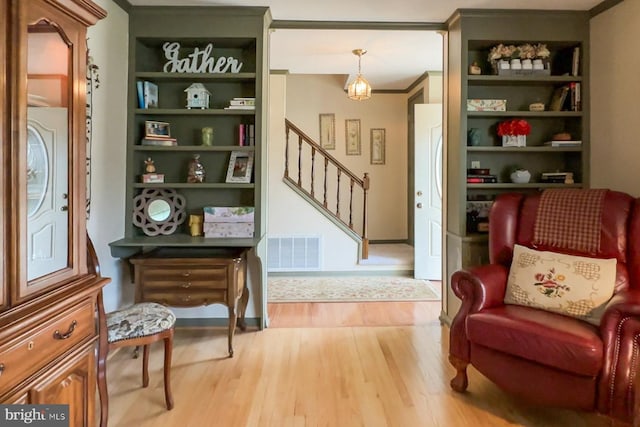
(324, 152)
(341, 173)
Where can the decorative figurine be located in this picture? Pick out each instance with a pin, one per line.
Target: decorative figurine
(197, 96)
(149, 166)
(150, 176)
(475, 69)
(196, 170)
(195, 225)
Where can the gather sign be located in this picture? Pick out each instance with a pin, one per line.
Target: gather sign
(198, 61)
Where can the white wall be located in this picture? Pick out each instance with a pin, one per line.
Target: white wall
(289, 214)
(108, 45)
(615, 91)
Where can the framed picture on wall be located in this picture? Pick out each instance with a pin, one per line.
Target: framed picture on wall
(352, 137)
(377, 146)
(328, 131)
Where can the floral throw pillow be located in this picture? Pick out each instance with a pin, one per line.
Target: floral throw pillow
(571, 285)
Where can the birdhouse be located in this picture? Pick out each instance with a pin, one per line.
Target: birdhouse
(197, 96)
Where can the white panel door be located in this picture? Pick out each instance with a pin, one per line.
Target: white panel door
(47, 191)
(428, 188)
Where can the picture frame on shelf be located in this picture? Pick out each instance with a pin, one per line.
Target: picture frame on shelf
(328, 131)
(378, 146)
(240, 167)
(153, 129)
(352, 137)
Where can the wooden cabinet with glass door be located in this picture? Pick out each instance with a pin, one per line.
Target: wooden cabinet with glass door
(48, 299)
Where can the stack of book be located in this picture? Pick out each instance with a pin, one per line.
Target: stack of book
(563, 143)
(481, 179)
(159, 141)
(147, 94)
(246, 135)
(242, 104)
(557, 177)
(567, 98)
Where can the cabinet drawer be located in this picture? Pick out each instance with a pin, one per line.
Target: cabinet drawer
(184, 277)
(184, 298)
(34, 348)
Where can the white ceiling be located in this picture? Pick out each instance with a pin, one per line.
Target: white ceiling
(394, 59)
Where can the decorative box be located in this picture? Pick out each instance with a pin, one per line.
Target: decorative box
(228, 229)
(486, 105)
(228, 214)
(153, 178)
(228, 221)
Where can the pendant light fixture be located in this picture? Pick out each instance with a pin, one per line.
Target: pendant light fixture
(359, 89)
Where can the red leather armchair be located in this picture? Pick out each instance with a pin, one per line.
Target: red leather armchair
(547, 358)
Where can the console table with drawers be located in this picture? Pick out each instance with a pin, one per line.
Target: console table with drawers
(191, 277)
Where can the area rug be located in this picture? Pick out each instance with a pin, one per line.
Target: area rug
(350, 289)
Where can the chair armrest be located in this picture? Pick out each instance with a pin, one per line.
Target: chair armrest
(620, 329)
(478, 287)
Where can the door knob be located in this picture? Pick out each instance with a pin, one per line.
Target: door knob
(419, 205)
(419, 193)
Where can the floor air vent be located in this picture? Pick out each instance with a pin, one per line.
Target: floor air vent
(300, 253)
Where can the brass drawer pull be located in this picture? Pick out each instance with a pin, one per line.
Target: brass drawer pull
(1, 368)
(186, 285)
(187, 298)
(57, 335)
(187, 274)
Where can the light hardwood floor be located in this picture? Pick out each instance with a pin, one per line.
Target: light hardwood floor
(333, 365)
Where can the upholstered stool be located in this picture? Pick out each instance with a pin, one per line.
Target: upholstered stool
(139, 324)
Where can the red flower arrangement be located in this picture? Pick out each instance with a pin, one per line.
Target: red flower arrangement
(514, 127)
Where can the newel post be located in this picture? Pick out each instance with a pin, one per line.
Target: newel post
(365, 238)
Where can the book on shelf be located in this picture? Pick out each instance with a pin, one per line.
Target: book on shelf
(558, 99)
(241, 134)
(246, 135)
(576, 97)
(242, 103)
(163, 142)
(575, 64)
(252, 135)
(557, 177)
(240, 107)
(147, 94)
(246, 101)
(563, 143)
(481, 179)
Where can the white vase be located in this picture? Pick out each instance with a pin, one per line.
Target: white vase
(527, 64)
(516, 64)
(520, 176)
(514, 140)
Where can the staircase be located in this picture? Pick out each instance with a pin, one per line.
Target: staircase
(327, 184)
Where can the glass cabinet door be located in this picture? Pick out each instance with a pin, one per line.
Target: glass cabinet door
(48, 217)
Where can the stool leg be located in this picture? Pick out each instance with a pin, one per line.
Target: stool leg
(145, 365)
(168, 349)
